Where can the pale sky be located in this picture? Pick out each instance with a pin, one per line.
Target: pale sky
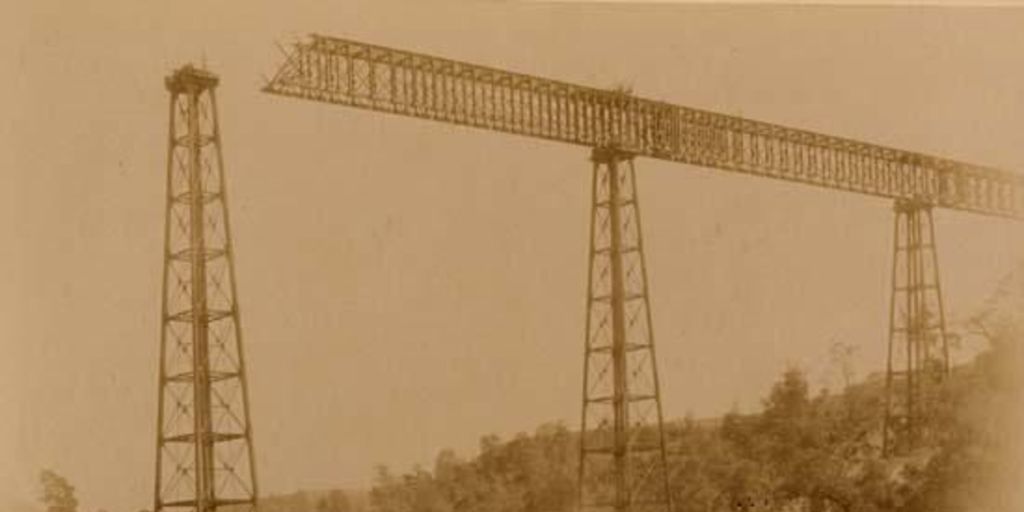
(407, 286)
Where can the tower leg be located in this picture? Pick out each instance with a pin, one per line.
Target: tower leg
(204, 455)
(623, 460)
(918, 353)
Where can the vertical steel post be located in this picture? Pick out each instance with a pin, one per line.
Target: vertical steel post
(913, 329)
(582, 473)
(204, 457)
(162, 371)
(619, 377)
(205, 497)
(662, 445)
(623, 457)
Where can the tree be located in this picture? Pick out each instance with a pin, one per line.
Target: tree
(388, 494)
(337, 501)
(58, 495)
(842, 359)
(334, 501)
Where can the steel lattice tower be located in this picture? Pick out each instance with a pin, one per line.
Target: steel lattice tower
(623, 464)
(204, 457)
(918, 355)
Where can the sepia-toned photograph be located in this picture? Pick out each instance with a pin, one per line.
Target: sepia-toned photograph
(511, 256)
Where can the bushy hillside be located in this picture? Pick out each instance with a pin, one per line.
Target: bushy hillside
(335, 500)
(802, 452)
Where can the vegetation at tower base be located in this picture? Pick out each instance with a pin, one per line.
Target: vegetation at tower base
(334, 500)
(804, 451)
(56, 494)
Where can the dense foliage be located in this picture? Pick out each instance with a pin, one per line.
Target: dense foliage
(527, 474)
(802, 452)
(57, 494)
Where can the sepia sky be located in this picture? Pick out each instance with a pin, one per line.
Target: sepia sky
(407, 286)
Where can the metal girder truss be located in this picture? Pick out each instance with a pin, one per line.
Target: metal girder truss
(345, 72)
(623, 463)
(204, 455)
(918, 356)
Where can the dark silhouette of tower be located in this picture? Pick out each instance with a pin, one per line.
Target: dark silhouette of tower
(623, 463)
(918, 357)
(204, 453)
